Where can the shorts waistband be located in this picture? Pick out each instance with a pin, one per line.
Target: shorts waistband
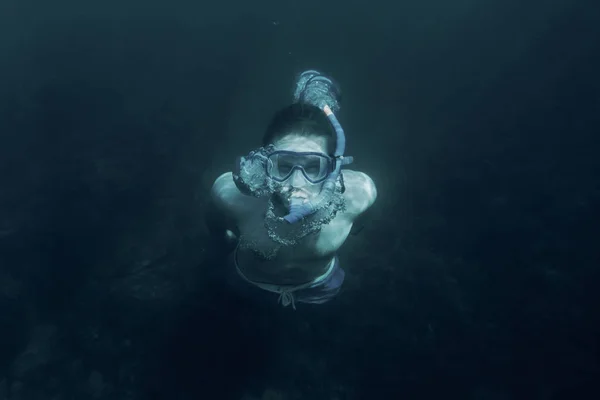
(286, 292)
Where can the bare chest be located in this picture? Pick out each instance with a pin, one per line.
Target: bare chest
(261, 258)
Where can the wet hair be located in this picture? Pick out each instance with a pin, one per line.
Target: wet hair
(302, 120)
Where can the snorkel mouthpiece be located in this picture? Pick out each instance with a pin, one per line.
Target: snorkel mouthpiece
(315, 89)
(298, 209)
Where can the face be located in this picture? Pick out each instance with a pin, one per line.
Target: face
(297, 185)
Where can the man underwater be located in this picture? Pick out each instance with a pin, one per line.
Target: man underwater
(288, 207)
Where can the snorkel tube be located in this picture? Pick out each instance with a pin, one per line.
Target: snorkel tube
(318, 90)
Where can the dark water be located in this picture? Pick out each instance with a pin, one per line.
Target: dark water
(475, 277)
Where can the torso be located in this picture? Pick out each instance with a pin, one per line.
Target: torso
(289, 265)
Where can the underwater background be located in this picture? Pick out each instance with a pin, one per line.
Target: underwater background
(476, 276)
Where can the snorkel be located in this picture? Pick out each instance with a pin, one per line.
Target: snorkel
(318, 90)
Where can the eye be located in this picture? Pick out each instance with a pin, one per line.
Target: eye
(312, 168)
(285, 168)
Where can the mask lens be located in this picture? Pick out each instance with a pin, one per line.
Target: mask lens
(314, 168)
(284, 167)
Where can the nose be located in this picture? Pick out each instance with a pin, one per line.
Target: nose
(297, 180)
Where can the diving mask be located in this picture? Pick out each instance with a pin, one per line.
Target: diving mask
(315, 167)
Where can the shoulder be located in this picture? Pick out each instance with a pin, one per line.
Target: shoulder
(224, 185)
(225, 195)
(223, 189)
(360, 193)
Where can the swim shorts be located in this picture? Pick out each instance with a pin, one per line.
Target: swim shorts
(318, 291)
